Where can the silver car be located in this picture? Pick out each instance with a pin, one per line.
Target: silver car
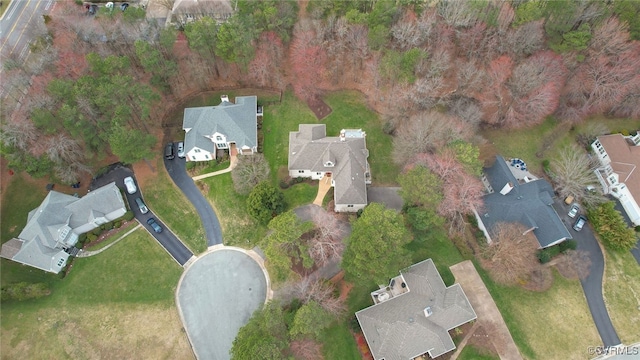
(575, 209)
(181, 153)
(130, 185)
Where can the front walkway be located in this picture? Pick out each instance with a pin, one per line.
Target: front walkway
(488, 314)
(86, 253)
(323, 188)
(232, 165)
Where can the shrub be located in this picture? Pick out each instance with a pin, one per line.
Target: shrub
(190, 165)
(265, 202)
(299, 179)
(624, 132)
(283, 184)
(546, 166)
(638, 228)
(117, 224)
(544, 256)
(388, 128)
(611, 227)
(128, 216)
(568, 245)
(91, 236)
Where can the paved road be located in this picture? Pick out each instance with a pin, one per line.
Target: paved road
(166, 238)
(20, 16)
(178, 173)
(216, 296)
(592, 284)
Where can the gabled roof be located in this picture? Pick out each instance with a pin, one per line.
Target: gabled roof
(220, 7)
(310, 148)
(529, 204)
(56, 224)
(399, 329)
(625, 161)
(237, 122)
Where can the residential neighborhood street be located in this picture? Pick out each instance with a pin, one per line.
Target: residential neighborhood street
(592, 284)
(16, 22)
(177, 171)
(166, 238)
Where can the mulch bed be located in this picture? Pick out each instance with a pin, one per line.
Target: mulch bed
(319, 107)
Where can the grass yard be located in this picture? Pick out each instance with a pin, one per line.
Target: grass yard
(238, 227)
(22, 195)
(349, 111)
(338, 343)
(118, 304)
(170, 204)
(622, 294)
(532, 316)
(4, 5)
(547, 139)
(471, 352)
(113, 237)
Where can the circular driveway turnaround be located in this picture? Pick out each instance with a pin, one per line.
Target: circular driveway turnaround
(216, 296)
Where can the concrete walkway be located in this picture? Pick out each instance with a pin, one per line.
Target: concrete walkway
(84, 253)
(323, 188)
(232, 165)
(486, 309)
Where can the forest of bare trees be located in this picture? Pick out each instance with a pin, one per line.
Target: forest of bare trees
(449, 68)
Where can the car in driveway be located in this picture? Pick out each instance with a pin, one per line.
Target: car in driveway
(575, 209)
(579, 224)
(143, 208)
(130, 185)
(168, 151)
(181, 153)
(154, 225)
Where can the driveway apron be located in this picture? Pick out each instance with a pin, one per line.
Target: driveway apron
(178, 173)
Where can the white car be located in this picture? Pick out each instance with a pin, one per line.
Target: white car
(181, 153)
(574, 210)
(130, 185)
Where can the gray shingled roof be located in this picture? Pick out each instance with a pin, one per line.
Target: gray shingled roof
(310, 148)
(237, 122)
(398, 329)
(56, 223)
(529, 204)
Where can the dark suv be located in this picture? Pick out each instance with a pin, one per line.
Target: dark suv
(579, 224)
(168, 152)
(152, 222)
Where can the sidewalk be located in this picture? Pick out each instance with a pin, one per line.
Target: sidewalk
(84, 253)
(232, 165)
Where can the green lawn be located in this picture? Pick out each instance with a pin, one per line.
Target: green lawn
(119, 303)
(471, 352)
(113, 237)
(532, 316)
(4, 5)
(238, 227)
(170, 204)
(622, 294)
(338, 343)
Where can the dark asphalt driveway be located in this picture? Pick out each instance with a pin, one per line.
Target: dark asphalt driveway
(166, 238)
(592, 284)
(178, 173)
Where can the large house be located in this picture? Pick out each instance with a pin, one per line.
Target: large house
(342, 158)
(53, 228)
(414, 314)
(619, 173)
(228, 126)
(186, 11)
(527, 201)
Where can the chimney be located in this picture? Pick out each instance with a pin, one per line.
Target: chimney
(224, 98)
(506, 189)
(343, 136)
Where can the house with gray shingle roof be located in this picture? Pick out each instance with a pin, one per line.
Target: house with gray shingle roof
(528, 202)
(342, 158)
(228, 126)
(414, 314)
(53, 228)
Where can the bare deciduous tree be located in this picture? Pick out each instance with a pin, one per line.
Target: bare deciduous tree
(510, 258)
(18, 134)
(326, 243)
(526, 39)
(320, 291)
(306, 349)
(573, 172)
(249, 172)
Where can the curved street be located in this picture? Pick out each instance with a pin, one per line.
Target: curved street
(178, 173)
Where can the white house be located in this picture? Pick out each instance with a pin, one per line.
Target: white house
(342, 158)
(618, 173)
(228, 126)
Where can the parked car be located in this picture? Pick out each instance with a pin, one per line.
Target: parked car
(579, 224)
(168, 151)
(130, 185)
(181, 153)
(154, 225)
(575, 209)
(143, 208)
